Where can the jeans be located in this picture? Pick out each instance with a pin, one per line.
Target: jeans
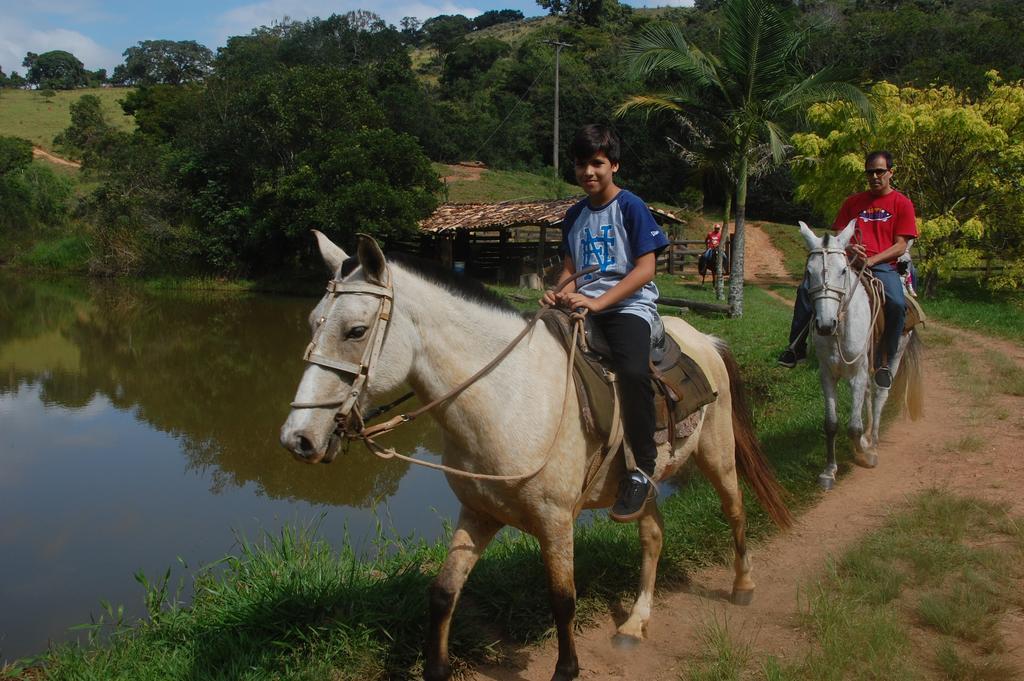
(895, 314)
(629, 337)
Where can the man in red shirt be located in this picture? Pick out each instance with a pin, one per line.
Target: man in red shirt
(885, 222)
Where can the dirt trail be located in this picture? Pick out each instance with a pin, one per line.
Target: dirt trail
(39, 152)
(914, 456)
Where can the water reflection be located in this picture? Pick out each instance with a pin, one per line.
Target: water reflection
(122, 411)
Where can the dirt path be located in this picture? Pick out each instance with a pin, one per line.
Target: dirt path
(763, 263)
(915, 456)
(39, 152)
(468, 172)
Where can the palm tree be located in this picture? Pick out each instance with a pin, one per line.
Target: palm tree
(739, 99)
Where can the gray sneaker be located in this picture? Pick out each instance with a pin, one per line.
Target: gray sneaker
(635, 490)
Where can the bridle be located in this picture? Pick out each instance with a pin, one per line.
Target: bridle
(827, 290)
(354, 428)
(373, 340)
(843, 295)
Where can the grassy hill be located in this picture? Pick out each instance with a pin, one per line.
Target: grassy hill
(29, 115)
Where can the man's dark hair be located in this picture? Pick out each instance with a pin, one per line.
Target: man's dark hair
(872, 155)
(593, 138)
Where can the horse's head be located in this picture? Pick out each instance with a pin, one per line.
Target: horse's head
(827, 275)
(348, 360)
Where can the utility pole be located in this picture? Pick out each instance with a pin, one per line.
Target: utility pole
(558, 50)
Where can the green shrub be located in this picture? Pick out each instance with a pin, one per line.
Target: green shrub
(68, 254)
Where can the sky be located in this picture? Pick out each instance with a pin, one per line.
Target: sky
(99, 31)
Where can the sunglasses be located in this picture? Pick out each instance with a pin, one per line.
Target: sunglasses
(876, 172)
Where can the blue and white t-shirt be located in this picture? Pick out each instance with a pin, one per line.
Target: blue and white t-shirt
(613, 237)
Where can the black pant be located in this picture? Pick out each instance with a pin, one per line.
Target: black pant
(629, 337)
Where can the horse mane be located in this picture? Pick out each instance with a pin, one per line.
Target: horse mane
(459, 285)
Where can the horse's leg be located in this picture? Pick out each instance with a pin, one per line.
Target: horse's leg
(716, 458)
(881, 395)
(827, 478)
(863, 453)
(556, 547)
(652, 528)
(472, 535)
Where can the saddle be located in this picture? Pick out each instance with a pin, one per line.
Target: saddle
(914, 312)
(680, 386)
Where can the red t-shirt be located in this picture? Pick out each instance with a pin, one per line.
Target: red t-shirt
(713, 239)
(880, 219)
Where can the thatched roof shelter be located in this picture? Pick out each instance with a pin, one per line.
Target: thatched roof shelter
(479, 217)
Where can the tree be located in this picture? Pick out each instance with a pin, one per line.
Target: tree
(89, 137)
(590, 12)
(493, 17)
(446, 31)
(167, 62)
(55, 70)
(959, 158)
(742, 98)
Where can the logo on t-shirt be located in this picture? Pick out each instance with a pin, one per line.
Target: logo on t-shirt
(875, 215)
(598, 250)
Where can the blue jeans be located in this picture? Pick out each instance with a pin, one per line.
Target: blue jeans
(895, 314)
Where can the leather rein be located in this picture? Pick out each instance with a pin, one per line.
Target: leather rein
(351, 423)
(844, 294)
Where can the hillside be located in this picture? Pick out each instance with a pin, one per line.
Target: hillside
(30, 115)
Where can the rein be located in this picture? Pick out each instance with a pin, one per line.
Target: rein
(843, 295)
(352, 428)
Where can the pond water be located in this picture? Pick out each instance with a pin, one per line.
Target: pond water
(137, 429)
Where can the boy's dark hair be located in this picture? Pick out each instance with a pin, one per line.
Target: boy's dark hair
(593, 138)
(872, 155)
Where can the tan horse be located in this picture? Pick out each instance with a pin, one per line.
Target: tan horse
(383, 324)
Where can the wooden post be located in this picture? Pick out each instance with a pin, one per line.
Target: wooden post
(541, 250)
(503, 255)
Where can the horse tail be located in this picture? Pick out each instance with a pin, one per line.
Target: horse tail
(908, 386)
(751, 462)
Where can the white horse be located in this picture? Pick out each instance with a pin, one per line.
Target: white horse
(440, 329)
(843, 321)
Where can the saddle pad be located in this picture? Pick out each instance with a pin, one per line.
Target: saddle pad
(678, 381)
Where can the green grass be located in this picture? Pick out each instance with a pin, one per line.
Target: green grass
(970, 307)
(26, 114)
(506, 185)
(947, 565)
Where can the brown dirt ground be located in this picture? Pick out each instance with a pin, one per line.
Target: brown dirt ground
(463, 173)
(39, 152)
(915, 456)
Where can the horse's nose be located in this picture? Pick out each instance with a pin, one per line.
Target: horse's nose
(827, 328)
(299, 443)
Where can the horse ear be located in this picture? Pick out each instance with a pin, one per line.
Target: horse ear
(810, 239)
(371, 258)
(333, 255)
(844, 236)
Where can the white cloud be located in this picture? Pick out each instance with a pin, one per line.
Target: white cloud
(16, 39)
(241, 20)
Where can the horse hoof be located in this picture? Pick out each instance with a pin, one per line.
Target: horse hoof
(826, 482)
(625, 641)
(866, 460)
(742, 596)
